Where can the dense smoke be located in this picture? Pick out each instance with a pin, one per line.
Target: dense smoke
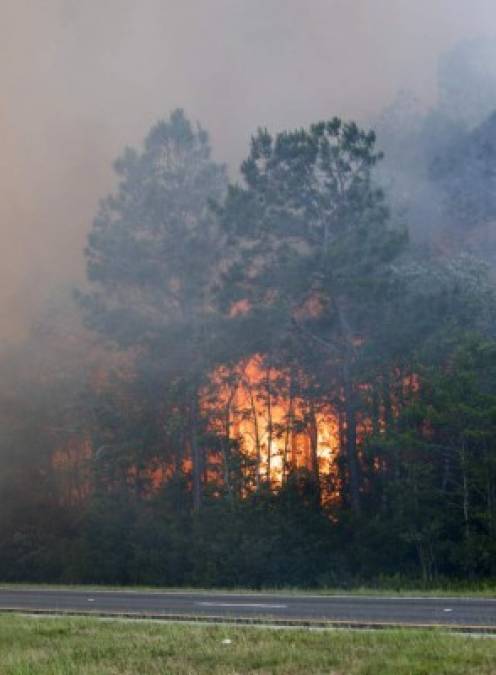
(81, 80)
(237, 345)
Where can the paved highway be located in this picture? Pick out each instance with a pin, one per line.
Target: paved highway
(270, 608)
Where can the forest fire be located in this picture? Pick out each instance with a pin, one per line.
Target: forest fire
(260, 417)
(256, 407)
(267, 382)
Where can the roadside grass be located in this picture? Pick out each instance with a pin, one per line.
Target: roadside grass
(71, 646)
(383, 588)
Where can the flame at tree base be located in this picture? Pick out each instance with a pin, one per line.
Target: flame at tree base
(259, 409)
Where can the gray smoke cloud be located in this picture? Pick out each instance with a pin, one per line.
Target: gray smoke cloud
(82, 79)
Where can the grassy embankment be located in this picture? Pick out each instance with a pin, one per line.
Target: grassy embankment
(481, 590)
(70, 646)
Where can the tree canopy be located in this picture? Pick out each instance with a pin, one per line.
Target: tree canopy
(279, 387)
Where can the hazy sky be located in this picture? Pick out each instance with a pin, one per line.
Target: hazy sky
(82, 78)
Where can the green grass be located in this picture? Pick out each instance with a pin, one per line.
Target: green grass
(69, 646)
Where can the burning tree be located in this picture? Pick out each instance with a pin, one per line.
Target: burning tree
(151, 258)
(327, 396)
(313, 252)
(289, 276)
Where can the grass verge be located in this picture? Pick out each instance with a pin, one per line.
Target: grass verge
(70, 646)
(473, 591)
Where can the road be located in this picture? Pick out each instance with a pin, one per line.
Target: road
(261, 607)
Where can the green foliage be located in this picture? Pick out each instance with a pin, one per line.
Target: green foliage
(300, 266)
(150, 252)
(439, 470)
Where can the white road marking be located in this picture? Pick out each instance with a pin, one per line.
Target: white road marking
(262, 605)
(304, 596)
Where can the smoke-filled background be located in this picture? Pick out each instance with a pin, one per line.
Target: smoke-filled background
(80, 80)
(237, 357)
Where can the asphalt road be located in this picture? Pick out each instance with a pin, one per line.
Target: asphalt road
(270, 608)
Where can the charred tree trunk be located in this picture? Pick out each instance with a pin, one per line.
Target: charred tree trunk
(351, 441)
(387, 402)
(226, 445)
(270, 426)
(466, 521)
(350, 408)
(314, 442)
(256, 433)
(197, 468)
(289, 432)
(376, 411)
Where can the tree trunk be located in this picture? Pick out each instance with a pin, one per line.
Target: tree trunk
(270, 426)
(376, 412)
(256, 433)
(288, 434)
(350, 406)
(351, 442)
(466, 522)
(314, 442)
(388, 406)
(226, 445)
(490, 500)
(196, 455)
